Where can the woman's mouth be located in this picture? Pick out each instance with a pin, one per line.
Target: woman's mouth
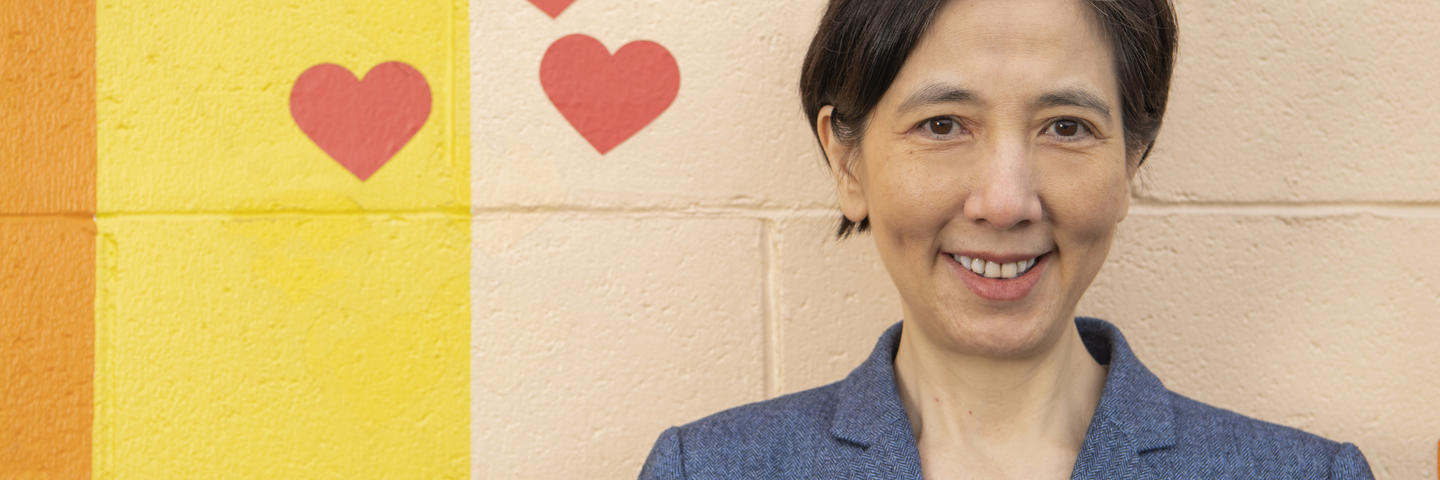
(1002, 279)
(989, 269)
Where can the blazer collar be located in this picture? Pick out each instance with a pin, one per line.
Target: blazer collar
(1134, 404)
(1133, 399)
(870, 415)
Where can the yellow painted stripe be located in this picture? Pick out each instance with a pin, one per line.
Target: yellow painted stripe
(262, 312)
(194, 108)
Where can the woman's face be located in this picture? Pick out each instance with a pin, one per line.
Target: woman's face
(993, 172)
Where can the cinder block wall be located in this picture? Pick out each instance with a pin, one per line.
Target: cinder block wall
(189, 287)
(1279, 258)
(260, 310)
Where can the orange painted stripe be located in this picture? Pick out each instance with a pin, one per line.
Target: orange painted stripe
(47, 336)
(47, 106)
(47, 237)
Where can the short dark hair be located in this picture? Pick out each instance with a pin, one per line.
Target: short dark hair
(860, 46)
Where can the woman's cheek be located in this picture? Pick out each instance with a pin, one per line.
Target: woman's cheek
(1097, 206)
(918, 204)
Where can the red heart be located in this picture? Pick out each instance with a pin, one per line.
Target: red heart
(608, 99)
(552, 7)
(360, 123)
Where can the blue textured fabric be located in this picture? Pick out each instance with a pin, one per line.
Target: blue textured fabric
(857, 429)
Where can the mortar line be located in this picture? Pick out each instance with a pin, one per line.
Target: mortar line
(12, 216)
(458, 99)
(767, 213)
(1140, 207)
(455, 93)
(771, 304)
(285, 213)
(1241, 203)
(709, 210)
(1401, 209)
(1273, 209)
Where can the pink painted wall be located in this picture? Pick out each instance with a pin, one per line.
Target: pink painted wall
(1278, 260)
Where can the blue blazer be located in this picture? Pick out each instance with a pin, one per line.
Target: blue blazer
(857, 429)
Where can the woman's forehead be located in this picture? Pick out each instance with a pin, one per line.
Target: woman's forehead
(1017, 25)
(999, 48)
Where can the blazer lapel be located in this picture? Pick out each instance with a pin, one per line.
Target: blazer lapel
(1134, 415)
(887, 460)
(870, 417)
(1107, 454)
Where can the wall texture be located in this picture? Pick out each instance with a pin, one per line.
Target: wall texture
(265, 310)
(47, 237)
(1278, 259)
(191, 287)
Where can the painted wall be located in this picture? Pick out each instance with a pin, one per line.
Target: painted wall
(47, 238)
(282, 287)
(198, 280)
(1278, 259)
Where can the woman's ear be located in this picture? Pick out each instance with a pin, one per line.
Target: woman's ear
(1133, 159)
(844, 162)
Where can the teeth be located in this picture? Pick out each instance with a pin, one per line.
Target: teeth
(990, 269)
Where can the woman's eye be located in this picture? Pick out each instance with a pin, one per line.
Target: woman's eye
(941, 127)
(1068, 130)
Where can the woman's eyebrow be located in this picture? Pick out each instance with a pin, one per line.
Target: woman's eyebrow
(1074, 97)
(937, 93)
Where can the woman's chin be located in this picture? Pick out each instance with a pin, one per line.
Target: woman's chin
(1010, 333)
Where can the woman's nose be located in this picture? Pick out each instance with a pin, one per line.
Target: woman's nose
(1003, 192)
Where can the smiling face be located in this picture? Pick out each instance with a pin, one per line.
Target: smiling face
(993, 172)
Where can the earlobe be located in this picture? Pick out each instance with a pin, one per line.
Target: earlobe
(1124, 207)
(1125, 199)
(842, 159)
(1132, 166)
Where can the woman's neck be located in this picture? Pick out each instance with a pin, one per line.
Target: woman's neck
(999, 409)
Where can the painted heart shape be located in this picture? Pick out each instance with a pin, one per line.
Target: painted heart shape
(361, 123)
(609, 98)
(552, 7)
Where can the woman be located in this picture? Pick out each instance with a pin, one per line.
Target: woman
(988, 147)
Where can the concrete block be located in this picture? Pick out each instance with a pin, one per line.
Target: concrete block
(593, 334)
(47, 339)
(1325, 323)
(1301, 102)
(282, 346)
(194, 105)
(47, 107)
(835, 298)
(735, 135)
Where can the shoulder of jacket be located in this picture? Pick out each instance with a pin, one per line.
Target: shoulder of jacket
(804, 413)
(1211, 436)
(784, 437)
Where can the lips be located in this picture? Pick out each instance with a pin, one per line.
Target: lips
(999, 278)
